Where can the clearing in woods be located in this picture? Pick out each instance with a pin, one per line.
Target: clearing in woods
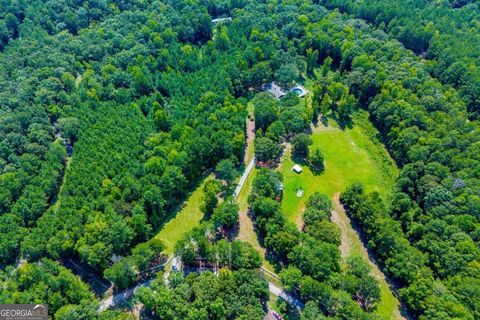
(184, 221)
(352, 245)
(246, 229)
(351, 155)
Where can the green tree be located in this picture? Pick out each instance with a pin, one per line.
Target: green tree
(12, 232)
(210, 193)
(266, 149)
(287, 74)
(121, 273)
(316, 161)
(161, 120)
(300, 145)
(225, 215)
(225, 170)
(325, 231)
(291, 277)
(266, 111)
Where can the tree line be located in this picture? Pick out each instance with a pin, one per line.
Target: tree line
(150, 95)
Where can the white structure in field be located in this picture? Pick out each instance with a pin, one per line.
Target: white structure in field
(297, 168)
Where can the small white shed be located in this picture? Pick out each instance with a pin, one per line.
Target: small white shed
(297, 168)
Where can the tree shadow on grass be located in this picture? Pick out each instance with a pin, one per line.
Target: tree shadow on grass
(231, 233)
(343, 123)
(320, 119)
(300, 160)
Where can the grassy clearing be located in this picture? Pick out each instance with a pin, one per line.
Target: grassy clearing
(350, 156)
(184, 221)
(388, 308)
(247, 232)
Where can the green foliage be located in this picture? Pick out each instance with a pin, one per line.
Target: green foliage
(144, 256)
(402, 261)
(267, 149)
(300, 144)
(325, 231)
(45, 282)
(332, 97)
(225, 215)
(122, 273)
(88, 311)
(444, 32)
(112, 110)
(211, 189)
(236, 255)
(267, 183)
(291, 277)
(287, 74)
(266, 111)
(363, 286)
(201, 245)
(12, 232)
(231, 295)
(225, 170)
(315, 161)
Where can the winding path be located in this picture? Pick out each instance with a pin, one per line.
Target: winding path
(351, 244)
(116, 299)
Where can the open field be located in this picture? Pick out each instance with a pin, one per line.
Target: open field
(184, 221)
(350, 156)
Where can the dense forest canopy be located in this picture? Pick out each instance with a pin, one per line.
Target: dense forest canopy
(445, 32)
(112, 111)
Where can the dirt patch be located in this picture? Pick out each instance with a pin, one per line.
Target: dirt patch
(247, 232)
(346, 242)
(250, 131)
(349, 237)
(299, 221)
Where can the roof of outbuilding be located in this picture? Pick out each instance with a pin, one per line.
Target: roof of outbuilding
(297, 168)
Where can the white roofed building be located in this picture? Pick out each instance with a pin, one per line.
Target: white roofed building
(296, 168)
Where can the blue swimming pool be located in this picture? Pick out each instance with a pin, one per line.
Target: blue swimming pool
(297, 91)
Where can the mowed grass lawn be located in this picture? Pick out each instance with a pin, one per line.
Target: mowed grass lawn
(184, 221)
(350, 156)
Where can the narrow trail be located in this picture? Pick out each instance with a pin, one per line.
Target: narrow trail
(348, 235)
(246, 228)
(352, 244)
(250, 131)
(119, 297)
